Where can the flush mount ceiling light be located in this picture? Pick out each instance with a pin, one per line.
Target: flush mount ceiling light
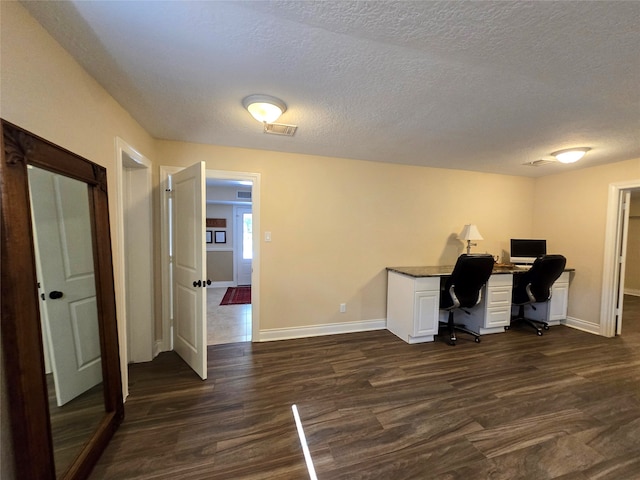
(570, 155)
(264, 108)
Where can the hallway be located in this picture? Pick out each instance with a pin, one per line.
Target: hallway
(631, 314)
(226, 323)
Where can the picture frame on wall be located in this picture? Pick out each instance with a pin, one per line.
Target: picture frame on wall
(209, 236)
(220, 236)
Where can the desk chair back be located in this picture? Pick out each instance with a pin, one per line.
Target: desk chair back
(462, 288)
(535, 285)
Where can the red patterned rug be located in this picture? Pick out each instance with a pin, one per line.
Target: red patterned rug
(237, 296)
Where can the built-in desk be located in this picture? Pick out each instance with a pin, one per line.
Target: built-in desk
(413, 302)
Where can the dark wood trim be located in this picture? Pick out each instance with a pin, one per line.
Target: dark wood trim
(21, 331)
(21, 344)
(216, 223)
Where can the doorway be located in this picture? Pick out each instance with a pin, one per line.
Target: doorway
(229, 261)
(618, 238)
(631, 293)
(135, 269)
(166, 276)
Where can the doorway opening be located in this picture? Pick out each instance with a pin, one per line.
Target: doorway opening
(229, 260)
(621, 263)
(167, 249)
(630, 301)
(135, 235)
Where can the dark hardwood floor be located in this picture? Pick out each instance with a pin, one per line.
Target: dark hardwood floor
(516, 406)
(73, 423)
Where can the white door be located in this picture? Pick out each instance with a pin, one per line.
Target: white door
(624, 220)
(244, 245)
(64, 253)
(189, 267)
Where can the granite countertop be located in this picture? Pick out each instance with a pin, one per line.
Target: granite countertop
(444, 270)
(433, 271)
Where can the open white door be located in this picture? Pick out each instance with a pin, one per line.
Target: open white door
(622, 257)
(62, 230)
(189, 267)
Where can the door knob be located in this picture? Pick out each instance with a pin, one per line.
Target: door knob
(197, 284)
(55, 295)
(208, 282)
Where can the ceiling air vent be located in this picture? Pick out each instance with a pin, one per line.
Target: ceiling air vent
(280, 129)
(243, 195)
(538, 163)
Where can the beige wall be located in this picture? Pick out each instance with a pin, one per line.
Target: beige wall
(46, 92)
(220, 255)
(336, 224)
(632, 272)
(226, 212)
(570, 212)
(220, 266)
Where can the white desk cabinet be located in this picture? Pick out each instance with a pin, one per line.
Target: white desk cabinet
(555, 309)
(412, 307)
(493, 313)
(413, 303)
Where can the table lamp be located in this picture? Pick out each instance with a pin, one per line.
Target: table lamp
(470, 232)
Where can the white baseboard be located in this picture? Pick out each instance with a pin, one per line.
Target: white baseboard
(221, 284)
(273, 334)
(632, 291)
(158, 347)
(582, 325)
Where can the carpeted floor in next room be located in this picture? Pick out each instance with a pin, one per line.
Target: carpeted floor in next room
(226, 323)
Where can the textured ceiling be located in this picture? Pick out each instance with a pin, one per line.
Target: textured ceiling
(483, 86)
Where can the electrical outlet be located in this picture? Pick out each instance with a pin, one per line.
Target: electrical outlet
(343, 307)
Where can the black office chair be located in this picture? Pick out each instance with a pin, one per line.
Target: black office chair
(463, 290)
(534, 286)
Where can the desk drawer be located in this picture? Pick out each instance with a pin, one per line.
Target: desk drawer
(500, 280)
(499, 297)
(498, 317)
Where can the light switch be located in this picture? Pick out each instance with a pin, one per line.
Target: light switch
(267, 236)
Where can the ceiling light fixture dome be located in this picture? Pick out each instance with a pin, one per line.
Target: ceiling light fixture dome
(570, 155)
(264, 108)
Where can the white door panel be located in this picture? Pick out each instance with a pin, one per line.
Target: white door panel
(189, 267)
(244, 247)
(624, 220)
(62, 229)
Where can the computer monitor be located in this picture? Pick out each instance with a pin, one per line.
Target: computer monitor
(526, 250)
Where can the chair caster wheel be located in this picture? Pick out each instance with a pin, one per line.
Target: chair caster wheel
(546, 327)
(539, 332)
(507, 327)
(477, 339)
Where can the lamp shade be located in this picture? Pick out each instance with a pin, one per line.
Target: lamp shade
(470, 232)
(264, 108)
